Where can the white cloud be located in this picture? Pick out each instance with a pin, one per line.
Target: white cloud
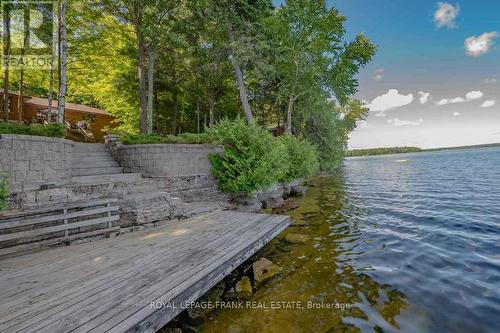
(424, 97)
(455, 100)
(490, 81)
(470, 96)
(473, 95)
(378, 74)
(456, 114)
(398, 122)
(488, 104)
(390, 100)
(476, 46)
(446, 14)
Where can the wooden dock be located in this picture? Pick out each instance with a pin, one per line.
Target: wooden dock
(109, 285)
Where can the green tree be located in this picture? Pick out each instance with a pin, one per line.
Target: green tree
(313, 55)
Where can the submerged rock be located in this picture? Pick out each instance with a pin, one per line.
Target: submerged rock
(264, 269)
(299, 189)
(243, 288)
(296, 238)
(288, 205)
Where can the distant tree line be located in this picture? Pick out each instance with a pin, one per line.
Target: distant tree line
(383, 151)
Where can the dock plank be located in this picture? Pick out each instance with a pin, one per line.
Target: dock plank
(69, 290)
(89, 295)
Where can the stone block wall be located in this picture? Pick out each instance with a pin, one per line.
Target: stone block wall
(167, 160)
(32, 161)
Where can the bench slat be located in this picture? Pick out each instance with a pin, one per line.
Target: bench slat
(20, 215)
(50, 218)
(43, 231)
(53, 241)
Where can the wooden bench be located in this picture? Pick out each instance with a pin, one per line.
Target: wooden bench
(27, 230)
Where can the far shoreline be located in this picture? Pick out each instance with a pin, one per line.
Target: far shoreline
(408, 150)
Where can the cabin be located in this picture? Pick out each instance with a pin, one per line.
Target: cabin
(83, 123)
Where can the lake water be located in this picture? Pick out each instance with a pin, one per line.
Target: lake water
(410, 242)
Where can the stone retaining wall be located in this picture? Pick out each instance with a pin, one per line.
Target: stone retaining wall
(166, 160)
(32, 161)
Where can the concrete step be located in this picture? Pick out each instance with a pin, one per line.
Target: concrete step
(107, 179)
(93, 163)
(92, 154)
(89, 147)
(90, 171)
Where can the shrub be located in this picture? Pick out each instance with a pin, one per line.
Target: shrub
(187, 138)
(324, 131)
(252, 160)
(4, 190)
(302, 158)
(51, 130)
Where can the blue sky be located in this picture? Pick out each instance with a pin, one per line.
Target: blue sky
(423, 55)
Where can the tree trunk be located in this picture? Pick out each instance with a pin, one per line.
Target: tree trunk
(239, 78)
(51, 89)
(151, 70)
(141, 69)
(288, 126)
(242, 89)
(51, 79)
(6, 53)
(156, 109)
(20, 99)
(211, 109)
(291, 101)
(142, 87)
(175, 113)
(64, 57)
(198, 114)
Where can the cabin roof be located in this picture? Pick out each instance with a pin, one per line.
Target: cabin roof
(44, 102)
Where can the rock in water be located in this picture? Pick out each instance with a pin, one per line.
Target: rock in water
(244, 288)
(296, 238)
(264, 269)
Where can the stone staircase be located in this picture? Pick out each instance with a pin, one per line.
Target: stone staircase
(96, 175)
(142, 200)
(93, 159)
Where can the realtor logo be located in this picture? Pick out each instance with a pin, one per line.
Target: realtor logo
(29, 33)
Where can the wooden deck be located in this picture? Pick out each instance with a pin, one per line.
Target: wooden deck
(109, 285)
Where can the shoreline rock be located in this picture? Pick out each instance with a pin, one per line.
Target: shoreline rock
(244, 288)
(264, 269)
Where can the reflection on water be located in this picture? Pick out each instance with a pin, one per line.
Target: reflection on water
(414, 247)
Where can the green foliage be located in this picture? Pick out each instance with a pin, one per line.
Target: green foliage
(51, 130)
(4, 190)
(252, 160)
(328, 127)
(302, 158)
(383, 151)
(323, 130)
(188, 138)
